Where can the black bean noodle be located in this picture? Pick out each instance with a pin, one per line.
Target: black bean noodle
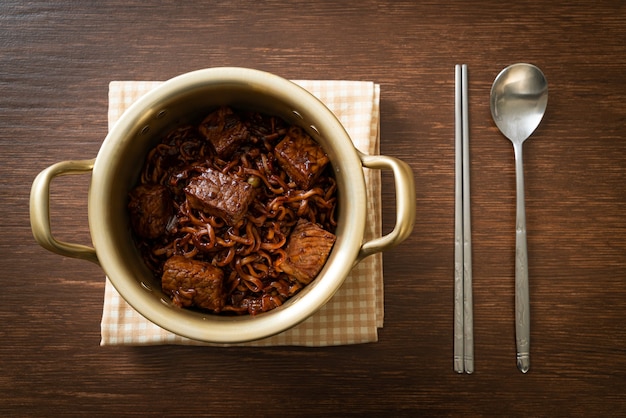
(251, 251)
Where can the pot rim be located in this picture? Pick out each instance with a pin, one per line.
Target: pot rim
(213, 328)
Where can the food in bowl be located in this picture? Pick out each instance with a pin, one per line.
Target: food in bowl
(188, 98)
(234, 213)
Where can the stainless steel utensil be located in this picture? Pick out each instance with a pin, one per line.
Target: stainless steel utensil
(519, 97)
(463, 305)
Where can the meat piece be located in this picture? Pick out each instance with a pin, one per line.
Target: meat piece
(301, 157)
(150, 208)
(193, 283)
(224, 130)
(307, 250)
(219, 194)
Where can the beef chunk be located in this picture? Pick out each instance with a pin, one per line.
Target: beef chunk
(307, 251)
(193, 283)
(301, 157)
(224, 130)
(219, 194)
(150, 208)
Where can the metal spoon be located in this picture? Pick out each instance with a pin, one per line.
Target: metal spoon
(519, 97)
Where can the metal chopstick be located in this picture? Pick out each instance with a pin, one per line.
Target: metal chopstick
(463, 303)
(459, 364)
(468, 317)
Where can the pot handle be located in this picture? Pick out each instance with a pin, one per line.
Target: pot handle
(40, 210)
(405, 203)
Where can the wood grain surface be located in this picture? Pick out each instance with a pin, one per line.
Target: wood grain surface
(56, 60)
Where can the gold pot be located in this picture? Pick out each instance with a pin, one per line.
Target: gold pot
(116, 168)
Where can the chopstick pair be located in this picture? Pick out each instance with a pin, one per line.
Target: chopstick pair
(463, 304)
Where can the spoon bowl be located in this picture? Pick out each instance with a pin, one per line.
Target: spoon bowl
(519, 97)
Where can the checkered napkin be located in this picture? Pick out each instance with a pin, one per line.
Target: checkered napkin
(356, 311)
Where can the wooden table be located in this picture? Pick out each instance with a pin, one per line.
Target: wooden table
(56, 61)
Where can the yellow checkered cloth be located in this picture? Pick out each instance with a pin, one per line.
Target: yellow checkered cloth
(356, 311)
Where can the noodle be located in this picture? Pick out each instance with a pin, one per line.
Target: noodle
(250, 251)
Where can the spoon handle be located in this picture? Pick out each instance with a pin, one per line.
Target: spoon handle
(522, 302)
